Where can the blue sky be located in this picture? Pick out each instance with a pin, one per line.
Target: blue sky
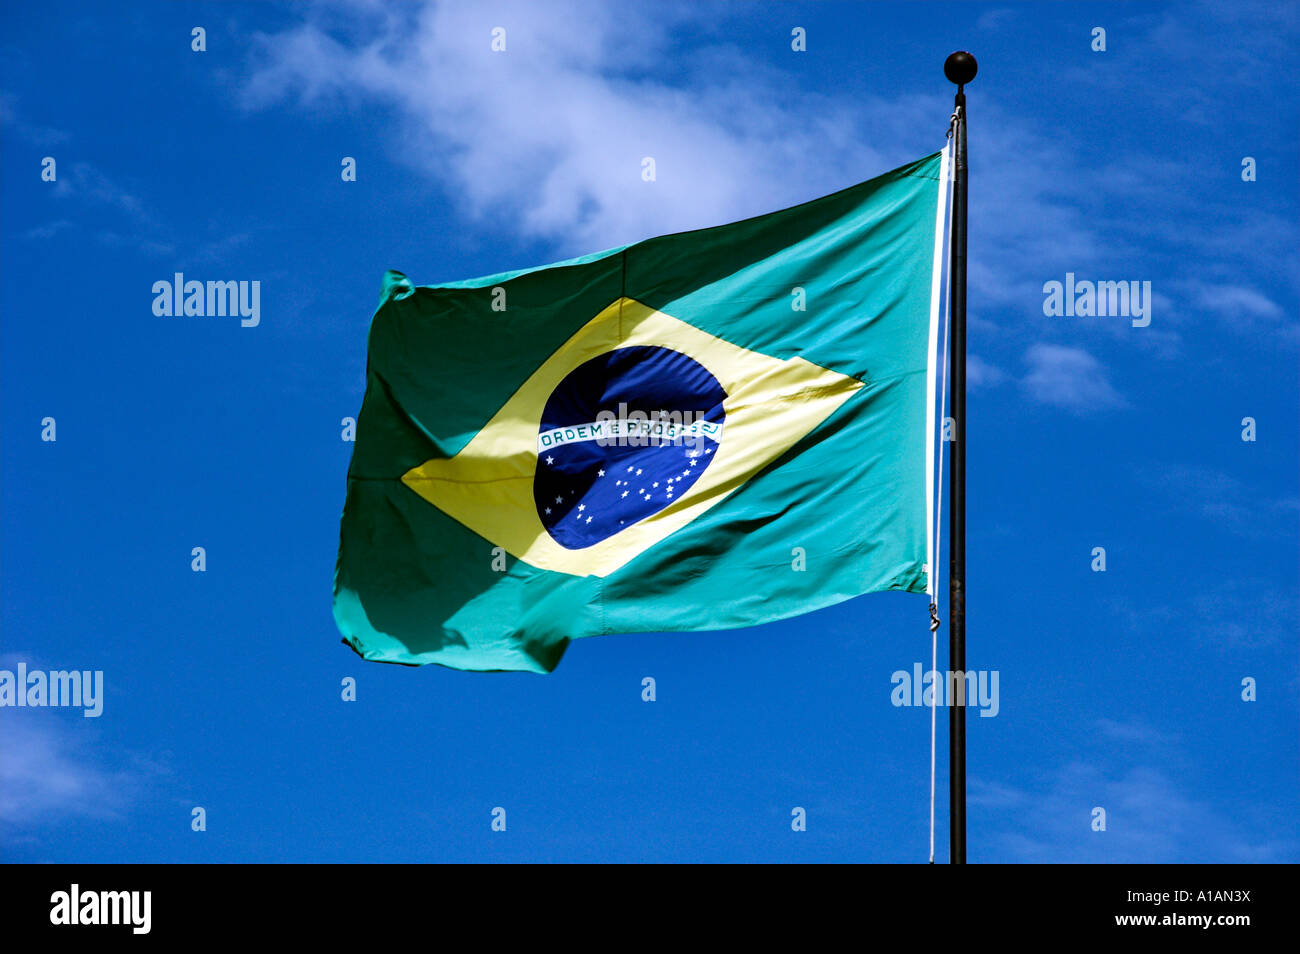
(1119, 689)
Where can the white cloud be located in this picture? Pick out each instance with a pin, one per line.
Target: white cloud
(996, 20)
(545, 141)
(1070, 378)
(1230, 615)
(1137, 732)
(15, 124)
(1219, 496)
(48, 230)
(86, 189)
(1150, 818)
(551, 133)
(88, 182)
(47, 772)
(979, 373)
(53, 766)
(1233, 302)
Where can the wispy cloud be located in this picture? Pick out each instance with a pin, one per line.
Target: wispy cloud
(1138, 732)
(1251, 37)
(88, 182)
(1232, 302)
(114, 214)
(997, 19)
(103, 208)
(50, 769)
(15, 124)
(1230, 614)
(1217, 495)
(981, 374)
(1069, 378)
(48, 230)
(53, 766)
(1151, 814)
(1150, 818)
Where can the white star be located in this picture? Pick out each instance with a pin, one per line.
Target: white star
(708, 450)
(625, 493)
(686, 472)
(655, 484)
(629, 468)
(641, 491)
(548, 509)
(550, 460)
(638, 471)
(559, 500)
(694, 462)
(589, 520)
(600, 473)
(582, 506)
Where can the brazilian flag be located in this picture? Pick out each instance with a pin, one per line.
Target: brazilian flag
(700, 431)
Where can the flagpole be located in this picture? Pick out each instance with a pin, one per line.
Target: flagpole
(960, 68)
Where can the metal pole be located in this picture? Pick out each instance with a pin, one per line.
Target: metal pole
(960, 68)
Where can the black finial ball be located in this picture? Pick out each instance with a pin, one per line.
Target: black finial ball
(960, 68)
